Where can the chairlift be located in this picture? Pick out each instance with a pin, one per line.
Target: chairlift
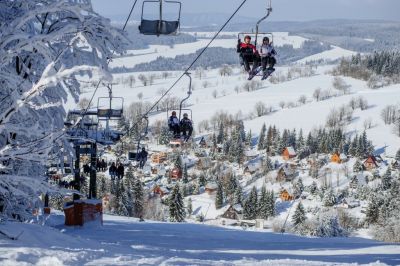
(257, 33)
(113, 109)
(160, 26)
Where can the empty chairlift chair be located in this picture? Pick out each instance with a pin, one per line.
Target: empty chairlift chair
(159, 26)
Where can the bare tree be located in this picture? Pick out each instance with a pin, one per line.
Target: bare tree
(140, 95)
(362, 103)
(215, 93)
(341, 85)
(367, 123)
(225, 70)
(317, 94)
(152, 77)
(143, 79)
(260, 108)
(389, 115)
(131, 80)
(282, 104)
(302, 99)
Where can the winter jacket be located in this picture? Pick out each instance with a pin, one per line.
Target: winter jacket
(186, 123)
(142, 155)
(173, 121)
(246, 49)
(267, 50)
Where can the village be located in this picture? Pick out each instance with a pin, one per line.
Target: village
(217, 188)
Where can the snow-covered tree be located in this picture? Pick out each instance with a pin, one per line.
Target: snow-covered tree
(138, 198)
(176, 206)
(238, 197)
(298, 187)
(219, 197)
(329, 198)
(45, 45)
(189, 207)
(250, 205)
(261, 138)
(398, 155)
(387, 179)
(263, 204)
(299, 215)
(358, 167)
(185, 176)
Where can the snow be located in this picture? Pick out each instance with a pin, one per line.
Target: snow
(333, 54)
(125, 241)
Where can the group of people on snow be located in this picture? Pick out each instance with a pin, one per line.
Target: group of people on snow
(184, 127)
(116, 171)
(248, 53)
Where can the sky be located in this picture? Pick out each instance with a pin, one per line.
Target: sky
(283, 10)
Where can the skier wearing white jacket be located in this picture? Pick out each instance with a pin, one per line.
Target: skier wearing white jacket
(267, 53)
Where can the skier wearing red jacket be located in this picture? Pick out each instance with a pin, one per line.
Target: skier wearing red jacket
(248, 53)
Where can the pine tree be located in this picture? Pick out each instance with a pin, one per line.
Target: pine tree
(138, 198)
(372, 211)
(299, 216)
(202, 180)
(263, 203)
(238, 197)
(189, 207)
(176, 207)
(398, 155)
(300, 141)
(219, 198)
(178, 162)
(329, 198)
(250, 206)
(249, 137)
(353, 147)
(298, 187)
(185, 177)
(214, 141)
(271, 204)
(358, 167)
(267, 165)
(261, 138)
(220, 136)
(165, 136)
(232, 185)
(196, 188)
(387, 179)
(313, 188)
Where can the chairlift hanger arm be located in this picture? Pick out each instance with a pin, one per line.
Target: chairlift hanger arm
(269, 10)
(188, 96)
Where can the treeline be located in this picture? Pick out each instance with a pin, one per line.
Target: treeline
(319, 141)
(379, 69)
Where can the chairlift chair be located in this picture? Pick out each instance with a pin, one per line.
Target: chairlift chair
(257, 33)
(110, 110)
(160, 26)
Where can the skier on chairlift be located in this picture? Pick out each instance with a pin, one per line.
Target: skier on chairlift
(186, 127)
(247, 54)
(267, 53)
(173, 124)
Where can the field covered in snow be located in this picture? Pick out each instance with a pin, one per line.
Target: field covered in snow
(125, 241)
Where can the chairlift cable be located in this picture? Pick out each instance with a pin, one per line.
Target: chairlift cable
(109, 60)
(190, 66)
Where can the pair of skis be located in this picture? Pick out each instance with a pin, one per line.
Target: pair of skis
(266, 73)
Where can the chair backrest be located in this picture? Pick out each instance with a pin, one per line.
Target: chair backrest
(158, 27)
